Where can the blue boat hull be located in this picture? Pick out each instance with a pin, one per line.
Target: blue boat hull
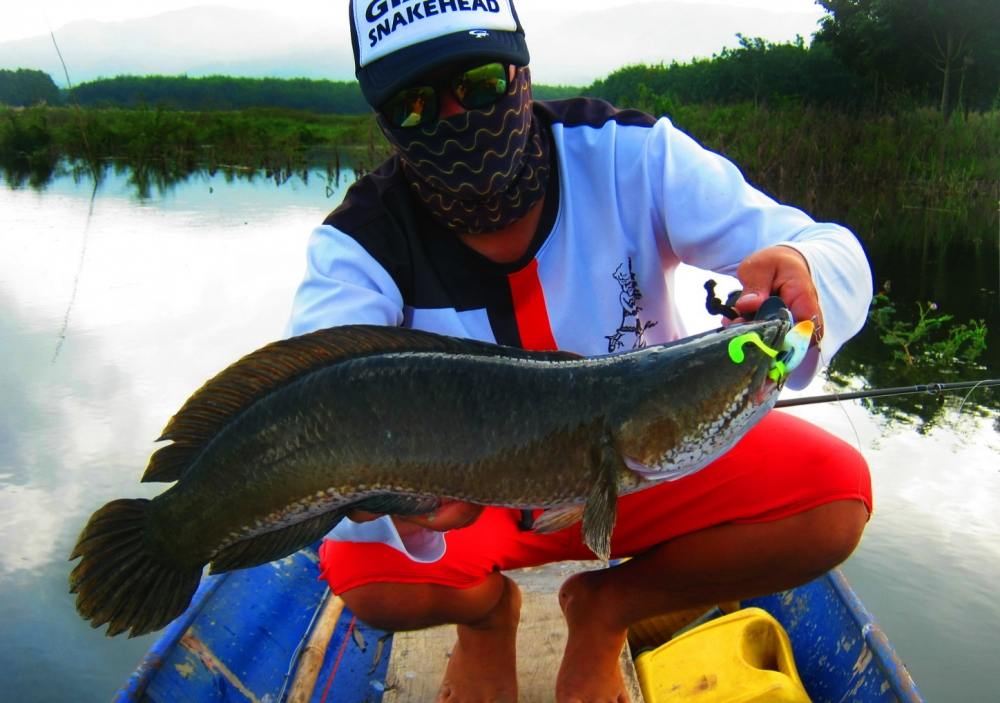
(242, 636)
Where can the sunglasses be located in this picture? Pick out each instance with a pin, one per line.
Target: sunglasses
(473, 88)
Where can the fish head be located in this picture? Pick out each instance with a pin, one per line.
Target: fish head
(701, 394)
(718, 385)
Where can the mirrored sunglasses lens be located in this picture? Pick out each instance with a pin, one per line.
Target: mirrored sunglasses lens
(481, 86)
(411, 107)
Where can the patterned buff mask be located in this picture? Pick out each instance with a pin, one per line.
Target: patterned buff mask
(480, 170)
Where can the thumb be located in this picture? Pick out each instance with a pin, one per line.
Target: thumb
(757, 283)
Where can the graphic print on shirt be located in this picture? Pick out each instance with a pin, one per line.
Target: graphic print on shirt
(631, 327)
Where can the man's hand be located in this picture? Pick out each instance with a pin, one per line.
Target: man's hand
(781, 271)
(450, 515)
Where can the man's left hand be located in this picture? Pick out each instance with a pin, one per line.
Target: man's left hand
(782, 271)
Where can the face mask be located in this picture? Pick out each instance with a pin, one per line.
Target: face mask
(480, 170)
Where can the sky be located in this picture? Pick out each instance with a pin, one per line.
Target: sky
(29, 19)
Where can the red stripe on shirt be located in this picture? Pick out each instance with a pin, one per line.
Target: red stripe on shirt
(529, 309)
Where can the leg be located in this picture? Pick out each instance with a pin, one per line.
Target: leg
(785, 505)
(728, 562)
(482, 666)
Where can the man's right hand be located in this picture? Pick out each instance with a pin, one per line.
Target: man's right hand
(450, 515)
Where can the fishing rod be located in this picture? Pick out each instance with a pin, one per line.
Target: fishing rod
(932, 388)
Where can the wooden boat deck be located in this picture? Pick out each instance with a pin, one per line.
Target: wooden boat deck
(418, 659)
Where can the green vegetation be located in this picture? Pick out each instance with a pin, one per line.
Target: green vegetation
(215, 93)
(930, 340)
(900, 349)
(941, 52)
(25, 87)
(835, 164)
(757, 71)
(169, 145)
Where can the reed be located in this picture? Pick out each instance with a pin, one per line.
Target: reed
(143, 138)
(833, 163)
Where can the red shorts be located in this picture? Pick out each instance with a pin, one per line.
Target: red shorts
(783, 466)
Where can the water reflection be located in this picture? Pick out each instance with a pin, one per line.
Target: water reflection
(155, 179)
(143, 301)
(149, 296)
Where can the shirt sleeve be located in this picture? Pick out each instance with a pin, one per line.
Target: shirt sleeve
(713, 219)
(345, 285)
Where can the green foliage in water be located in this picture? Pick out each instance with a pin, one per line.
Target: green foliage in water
(931, 339)
(901, 347)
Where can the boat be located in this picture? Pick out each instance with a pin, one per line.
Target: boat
(274, 633)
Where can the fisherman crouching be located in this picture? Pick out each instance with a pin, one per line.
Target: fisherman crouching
(560, 225)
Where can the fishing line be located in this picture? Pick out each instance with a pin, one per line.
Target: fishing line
(92, 163)
(61, 336)
(297, 654)
(840, 404)
(981, 384)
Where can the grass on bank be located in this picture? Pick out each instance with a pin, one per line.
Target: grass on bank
(257, 138)
(829, 163)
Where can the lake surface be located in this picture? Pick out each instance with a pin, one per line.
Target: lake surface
(113, 309)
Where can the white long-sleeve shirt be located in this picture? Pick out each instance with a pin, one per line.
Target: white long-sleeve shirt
(630, 198)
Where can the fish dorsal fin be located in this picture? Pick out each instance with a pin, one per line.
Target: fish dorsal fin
(238, 386)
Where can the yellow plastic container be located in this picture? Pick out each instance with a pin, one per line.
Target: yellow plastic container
(743, 657)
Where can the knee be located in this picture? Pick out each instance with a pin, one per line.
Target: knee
(836, 531)
(384, 606)
(414, 606)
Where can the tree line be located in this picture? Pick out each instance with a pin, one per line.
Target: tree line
(880, 55)
(25, 87)
(874, 55)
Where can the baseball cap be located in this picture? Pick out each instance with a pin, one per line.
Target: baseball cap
(395, 41)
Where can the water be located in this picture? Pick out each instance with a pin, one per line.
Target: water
(113, 310)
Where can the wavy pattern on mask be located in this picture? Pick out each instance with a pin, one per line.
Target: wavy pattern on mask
(482, 169)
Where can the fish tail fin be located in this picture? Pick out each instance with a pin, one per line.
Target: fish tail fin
(120, 580)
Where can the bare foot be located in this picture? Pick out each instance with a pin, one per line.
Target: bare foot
(482, 667)
(590, 672)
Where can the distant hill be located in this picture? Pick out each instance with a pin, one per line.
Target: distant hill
(198, 41)
(568, 50)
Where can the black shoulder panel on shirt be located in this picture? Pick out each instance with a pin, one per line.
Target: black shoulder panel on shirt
(375, 213)
(590, 112)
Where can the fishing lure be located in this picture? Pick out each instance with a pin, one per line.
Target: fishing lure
(794, 346)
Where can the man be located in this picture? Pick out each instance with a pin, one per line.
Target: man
(560, 225)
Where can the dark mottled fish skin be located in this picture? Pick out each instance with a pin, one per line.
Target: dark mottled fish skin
(269, 455)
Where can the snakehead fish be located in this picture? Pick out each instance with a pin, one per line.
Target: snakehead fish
(268, 456)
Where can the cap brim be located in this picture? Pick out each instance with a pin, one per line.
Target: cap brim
(382, 79)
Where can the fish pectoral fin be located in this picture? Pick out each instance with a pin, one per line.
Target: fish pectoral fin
(276, 544)
(600, 511)
(558, 518)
